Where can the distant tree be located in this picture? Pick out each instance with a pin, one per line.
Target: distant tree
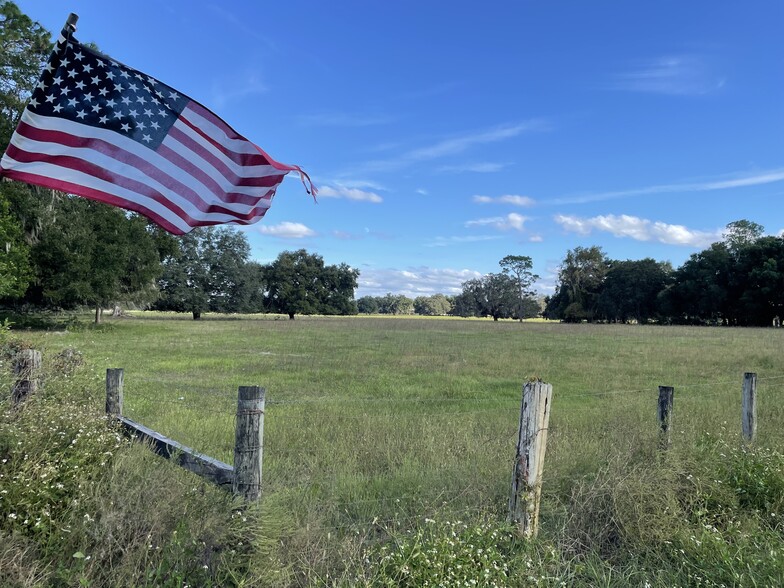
(703, 288)
(367, 305)
(494, 295)
(740, 233)
(760, 266)
(580, 280)
(631, 289)
(207, 272)
(435, 305)
(395, 304)
(248, 294)
(299, 283)
(518, 267)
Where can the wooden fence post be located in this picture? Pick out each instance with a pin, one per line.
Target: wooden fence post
(749, 406)
(666, 397)
(114, 392)
(248, 445)
(529, 459)
(26, 367)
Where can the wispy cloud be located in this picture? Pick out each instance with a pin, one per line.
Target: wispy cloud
(513, 199)
(510, 222)
(225, 93)
(413, 281)
(343, 119)
(287, 230)
(349, 193)
(738, 181)
(454, 145)
(639, 229)
(482, 167)
(422, 191)
(238, 24)
(450, 241)
(677, 75)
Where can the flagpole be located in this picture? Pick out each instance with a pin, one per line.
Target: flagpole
(70, 23)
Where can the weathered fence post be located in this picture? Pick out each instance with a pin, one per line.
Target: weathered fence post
(529, 458)
(248, 445)
(114, 392)
(749, 406)
(26, 367)
(666, 397)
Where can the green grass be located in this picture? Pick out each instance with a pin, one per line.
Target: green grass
(375, 423)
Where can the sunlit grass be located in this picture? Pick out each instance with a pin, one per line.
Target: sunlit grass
(396, 419)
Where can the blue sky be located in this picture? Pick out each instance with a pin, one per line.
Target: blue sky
(446, 135)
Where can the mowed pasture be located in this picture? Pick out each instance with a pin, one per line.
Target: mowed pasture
(374, 423)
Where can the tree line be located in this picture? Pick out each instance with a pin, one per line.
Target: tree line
(736, 281)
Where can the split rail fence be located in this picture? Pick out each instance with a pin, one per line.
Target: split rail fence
(244, 478)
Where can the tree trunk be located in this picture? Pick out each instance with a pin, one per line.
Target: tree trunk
(97, 314)
(196, 315)
(291, 316)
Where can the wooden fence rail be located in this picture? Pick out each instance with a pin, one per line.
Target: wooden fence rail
(244, 479)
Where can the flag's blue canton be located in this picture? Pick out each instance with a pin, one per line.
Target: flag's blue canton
(83, 86)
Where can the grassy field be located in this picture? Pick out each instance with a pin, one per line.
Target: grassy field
(376, 425)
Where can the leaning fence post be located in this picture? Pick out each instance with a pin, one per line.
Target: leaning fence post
(248, 445)
(749, 406)
(114, 392)
(26, 366)
(529, 458)
(666, 397)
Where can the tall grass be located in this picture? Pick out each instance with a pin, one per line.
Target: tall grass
(374, 425)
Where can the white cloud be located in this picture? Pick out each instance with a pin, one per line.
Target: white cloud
(513, 199)
(287, 230)
(536, 238)
(740, 180)
(413, 281)
(422, 191)
(454, 145)
(511, 221)
(349, 193)
(677, 75)
(639, 229)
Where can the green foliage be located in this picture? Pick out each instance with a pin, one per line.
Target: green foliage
(208, 271)
(580, 280)
(298, 282)
(519, 267)
(435, 305)
(15, 269)
(631, 288)
(95, 255)
(24, 47)
(495, 295)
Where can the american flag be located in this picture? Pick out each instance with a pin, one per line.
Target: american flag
(102, 130)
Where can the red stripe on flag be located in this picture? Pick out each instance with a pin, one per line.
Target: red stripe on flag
(92, 194)
(219, 166)
(134, 161)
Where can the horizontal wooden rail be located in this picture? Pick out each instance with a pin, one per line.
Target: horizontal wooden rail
(217, 472)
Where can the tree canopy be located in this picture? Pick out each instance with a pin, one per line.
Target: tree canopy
(298, 282)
